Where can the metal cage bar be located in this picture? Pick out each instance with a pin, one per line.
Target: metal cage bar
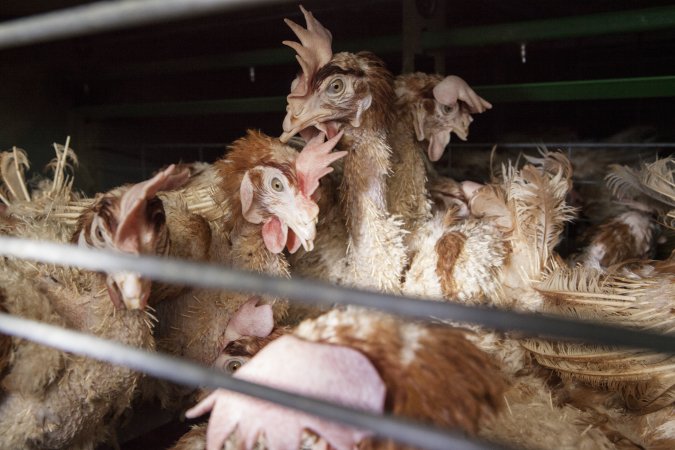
(191, 374)
(602, 89)
(207, 275)
(324, 294)
(108, 16)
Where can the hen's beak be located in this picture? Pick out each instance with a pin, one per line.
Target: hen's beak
(303, 223)
(308, 119)
(461, 125)
(128, 290)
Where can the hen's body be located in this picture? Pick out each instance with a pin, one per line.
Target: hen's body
(428, 109)
(53, 399)
(353, 93)
(431, 373)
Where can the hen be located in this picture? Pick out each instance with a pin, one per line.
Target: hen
(429, 108)
(353, 93)
(55, 400)
(267, 189)
(494, 256)
(634, 389)
(424, 372)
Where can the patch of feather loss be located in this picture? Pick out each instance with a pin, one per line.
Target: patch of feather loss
(595, 253)
(411, 335)
(666, 430)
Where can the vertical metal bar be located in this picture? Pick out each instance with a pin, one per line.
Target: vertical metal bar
(411, 35)
(437, 23)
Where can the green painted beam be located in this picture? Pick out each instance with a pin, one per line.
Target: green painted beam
(603, 89)
(530, 31)
(258, 58)
(606, 89)
(630, 21)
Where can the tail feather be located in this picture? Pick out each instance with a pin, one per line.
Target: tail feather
(624, 297)
(653, 185)
(62, 167)
(536, 195)
(47, 196)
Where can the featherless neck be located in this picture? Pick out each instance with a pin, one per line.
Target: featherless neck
(365, 170)
(408, 195)
(408, 161)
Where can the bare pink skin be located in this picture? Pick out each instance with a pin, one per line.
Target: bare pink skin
(130, 231)
(250, 320)
(469, 188)
(330, 372)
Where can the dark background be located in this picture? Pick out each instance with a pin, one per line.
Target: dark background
(121, 96)
(51, 90)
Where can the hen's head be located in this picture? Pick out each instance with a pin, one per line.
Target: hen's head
(334, 90)
(130, 220)
(438, 107)
(275, 184)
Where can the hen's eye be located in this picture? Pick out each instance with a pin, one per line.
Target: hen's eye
(277, 185)
(447, 109)
(99, 233)
(233, 365)
(336, 86)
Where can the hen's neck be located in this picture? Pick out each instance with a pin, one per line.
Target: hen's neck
(248, 251)
(82, 300)
(375, 255)
(408, 195)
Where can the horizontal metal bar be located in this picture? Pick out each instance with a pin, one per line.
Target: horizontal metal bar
(190, 374)
(107, 16)
(630, 21)
(619, 88)
(323, 294)
(528, 31)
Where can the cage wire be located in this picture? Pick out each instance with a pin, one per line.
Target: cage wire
(218, 277)
(108, 16)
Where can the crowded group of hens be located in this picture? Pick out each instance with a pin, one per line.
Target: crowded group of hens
(348, 195)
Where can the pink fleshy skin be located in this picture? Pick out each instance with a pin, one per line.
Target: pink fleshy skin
(313, 51)
(248, 210)
(314, 162)
(452, 88)
(292, 243)
(274, 234)
(334, 373)
(469, 189)
(250, 320)
(437, 144)
(134, 201)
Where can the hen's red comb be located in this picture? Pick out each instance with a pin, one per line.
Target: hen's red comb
(134, 201)
(313, 51)
(314, 161)
(452, 88)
